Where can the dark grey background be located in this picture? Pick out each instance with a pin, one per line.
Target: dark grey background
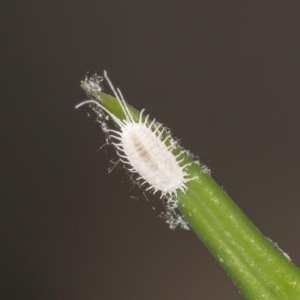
(224, 75)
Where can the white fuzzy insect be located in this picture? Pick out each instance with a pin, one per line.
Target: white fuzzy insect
(147, 150)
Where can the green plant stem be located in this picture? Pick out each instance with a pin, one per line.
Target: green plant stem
(255, 265)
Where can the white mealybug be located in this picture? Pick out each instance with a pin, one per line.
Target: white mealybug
(147, 149)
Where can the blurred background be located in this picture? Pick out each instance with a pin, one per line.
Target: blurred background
(223, 75)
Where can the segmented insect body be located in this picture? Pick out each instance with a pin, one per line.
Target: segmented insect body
(150, 157)
(147, 149)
